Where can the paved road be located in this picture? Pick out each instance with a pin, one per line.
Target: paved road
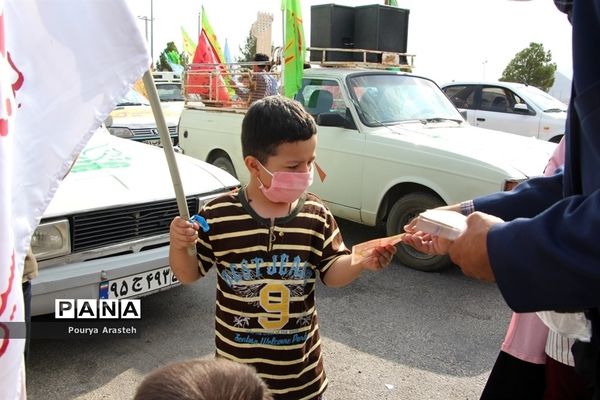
(396, 334)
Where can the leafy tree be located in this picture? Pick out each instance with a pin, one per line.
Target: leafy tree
(247, 52)
(162, 64)
(532, 66)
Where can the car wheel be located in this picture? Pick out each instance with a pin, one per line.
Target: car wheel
(223, 162)
(403, 211)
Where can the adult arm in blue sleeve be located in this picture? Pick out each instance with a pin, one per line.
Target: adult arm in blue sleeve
(551, 261)
(527, 200)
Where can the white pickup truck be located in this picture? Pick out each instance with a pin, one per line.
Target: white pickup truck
(105, 234)
(391, 143)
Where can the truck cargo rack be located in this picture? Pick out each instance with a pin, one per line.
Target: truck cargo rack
(219, 86)
(362, 58)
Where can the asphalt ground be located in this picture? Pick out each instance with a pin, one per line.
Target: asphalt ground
(394, 334)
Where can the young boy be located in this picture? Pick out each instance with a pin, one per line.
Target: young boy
(269, 241)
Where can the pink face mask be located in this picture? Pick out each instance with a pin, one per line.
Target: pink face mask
(286, 187)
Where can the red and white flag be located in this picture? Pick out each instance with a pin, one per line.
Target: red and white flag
(64, 64)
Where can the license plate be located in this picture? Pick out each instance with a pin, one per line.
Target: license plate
(136, 285)
(153, 142)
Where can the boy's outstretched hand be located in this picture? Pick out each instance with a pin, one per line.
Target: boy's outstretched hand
(379, 257)
(183, 233)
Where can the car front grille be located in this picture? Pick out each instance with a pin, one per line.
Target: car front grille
(152, 131)
(96, 229)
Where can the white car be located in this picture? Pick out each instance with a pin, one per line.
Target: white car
(392, 145)
(105, 234)
(133, 119)
(510, 107)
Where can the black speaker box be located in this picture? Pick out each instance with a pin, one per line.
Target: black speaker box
(379, 27)
(332, 26)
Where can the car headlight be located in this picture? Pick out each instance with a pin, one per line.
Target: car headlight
(121, 132)
(205, 199)
(51, 239)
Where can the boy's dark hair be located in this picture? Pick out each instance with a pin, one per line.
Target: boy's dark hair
(203, 380)
(272, 121)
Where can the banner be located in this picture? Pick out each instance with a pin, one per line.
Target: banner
(189, 47)
(294, 49)
(63, 68)
(208, 81)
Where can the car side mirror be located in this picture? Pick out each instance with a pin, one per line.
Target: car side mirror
(521, 108)
(463, 113)
(334, 119)
(108, 121)
(330, 119)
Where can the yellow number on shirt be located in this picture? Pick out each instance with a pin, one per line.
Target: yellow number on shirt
(275, 298)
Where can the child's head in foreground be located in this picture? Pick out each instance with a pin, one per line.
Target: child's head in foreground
(214, 379)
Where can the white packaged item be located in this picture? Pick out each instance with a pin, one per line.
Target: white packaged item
(443, 223)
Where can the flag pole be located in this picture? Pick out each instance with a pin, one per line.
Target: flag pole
(165, 140)
(282, 61)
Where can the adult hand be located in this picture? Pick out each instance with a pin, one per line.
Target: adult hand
(469, 250)
(424, 242)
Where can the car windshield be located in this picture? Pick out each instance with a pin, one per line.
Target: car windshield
(169, 92)
(543, 100)
(385, 99)
(134, 98)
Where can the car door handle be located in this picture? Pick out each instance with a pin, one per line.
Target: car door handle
(481, 119)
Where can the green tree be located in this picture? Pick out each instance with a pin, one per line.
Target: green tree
(532, 66)
(162, 64)
(247, 52)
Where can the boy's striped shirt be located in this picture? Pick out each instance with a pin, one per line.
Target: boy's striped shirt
(265, 312)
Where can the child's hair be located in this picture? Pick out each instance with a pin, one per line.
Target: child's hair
(272, 121)
(215, 379)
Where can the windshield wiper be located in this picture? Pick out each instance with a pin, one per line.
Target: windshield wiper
(129, 104)
(440, 119)
(555, 110)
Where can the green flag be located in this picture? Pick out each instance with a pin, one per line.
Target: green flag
(188, 44)
(294, 48)
(212, 38)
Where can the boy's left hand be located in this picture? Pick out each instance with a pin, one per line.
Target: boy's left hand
(379, 258)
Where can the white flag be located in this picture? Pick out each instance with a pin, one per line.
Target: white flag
(64, 65)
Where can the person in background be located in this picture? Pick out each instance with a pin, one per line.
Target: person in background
(263, 84)
(216, 379)
(521, 367)
(546, 257)
(269, 242)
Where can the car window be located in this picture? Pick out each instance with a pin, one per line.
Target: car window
(543, 100)
(498, 99)
(321, 95)
(133, 98)
(169, 92)
(462, 96)
(395, 98)
(494, 99)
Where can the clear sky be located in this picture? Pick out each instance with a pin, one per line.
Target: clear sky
(452, 39)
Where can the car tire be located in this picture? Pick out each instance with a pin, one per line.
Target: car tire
(403, 211)
(223, 162)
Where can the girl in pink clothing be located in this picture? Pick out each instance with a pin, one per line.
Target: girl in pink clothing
(519, 371)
